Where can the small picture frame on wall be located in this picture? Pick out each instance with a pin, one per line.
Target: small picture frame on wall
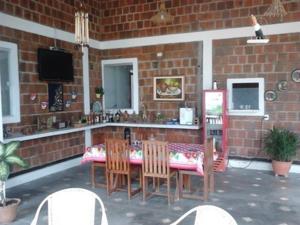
(56, 97)
(168, 88)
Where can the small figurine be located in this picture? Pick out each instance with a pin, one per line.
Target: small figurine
(257, 28)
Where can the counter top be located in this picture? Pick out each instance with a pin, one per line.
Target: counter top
(54, 132)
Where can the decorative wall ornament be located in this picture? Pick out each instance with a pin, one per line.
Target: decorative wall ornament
(33, 96)
(259, 36)
(276, 10)
(163, 16)
(81, 26)
(282, 85)
(296, 75)
(270, 95)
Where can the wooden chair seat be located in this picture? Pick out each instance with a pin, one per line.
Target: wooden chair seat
(208, 178)
(156, 165)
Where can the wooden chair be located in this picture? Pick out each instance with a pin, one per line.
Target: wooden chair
(156, 165)
(209, 215)
(208, 178)
(118, 165)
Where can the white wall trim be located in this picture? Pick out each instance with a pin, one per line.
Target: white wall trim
(34, 175)
(273, 29)
(257, 165)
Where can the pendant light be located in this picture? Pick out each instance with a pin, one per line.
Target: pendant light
(81, 26)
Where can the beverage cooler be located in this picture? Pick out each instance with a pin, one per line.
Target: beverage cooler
(215, 122)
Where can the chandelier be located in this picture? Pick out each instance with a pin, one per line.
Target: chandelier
(276, 10)
(162, 16)
(82, 26)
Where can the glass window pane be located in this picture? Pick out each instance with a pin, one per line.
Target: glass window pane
(5, 89)
(245, 96)
(117, 86)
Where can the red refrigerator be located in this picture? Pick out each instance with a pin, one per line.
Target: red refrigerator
(215, 122)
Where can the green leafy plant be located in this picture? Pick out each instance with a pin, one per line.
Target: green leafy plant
(8, 158)
(281, 144)
(99, 90)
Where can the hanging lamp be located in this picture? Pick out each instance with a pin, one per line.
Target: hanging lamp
(163, 16)
(276, 10)
(81, 26)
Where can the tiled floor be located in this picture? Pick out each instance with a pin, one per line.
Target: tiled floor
(251, 197)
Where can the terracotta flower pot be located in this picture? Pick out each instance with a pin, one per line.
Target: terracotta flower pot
(281, 168)
(9, 212)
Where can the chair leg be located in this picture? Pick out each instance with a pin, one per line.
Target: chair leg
(145, 183)
(212, 182)
(205, 187)
(169, 192)
(93, 175)
(180, 184)
(108, 182)
(129, 186)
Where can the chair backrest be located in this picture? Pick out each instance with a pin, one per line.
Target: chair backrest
(156, 159)
(117, 155)
(208, 161)
(74, 206)
(209, 215)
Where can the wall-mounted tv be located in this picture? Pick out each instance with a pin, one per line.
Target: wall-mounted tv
(55, 65)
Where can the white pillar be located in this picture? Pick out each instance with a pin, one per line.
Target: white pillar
(207, 64)
(86, 91)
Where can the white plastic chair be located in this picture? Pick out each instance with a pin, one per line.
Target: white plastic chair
(74, 206)
(209, 215)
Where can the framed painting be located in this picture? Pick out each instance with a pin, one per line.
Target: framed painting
(56, 97)
(169, 88)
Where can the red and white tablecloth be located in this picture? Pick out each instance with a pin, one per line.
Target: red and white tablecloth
(182, 156)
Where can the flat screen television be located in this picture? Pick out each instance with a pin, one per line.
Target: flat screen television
(55, 65)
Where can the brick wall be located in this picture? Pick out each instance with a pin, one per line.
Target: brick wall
(178, 59)
(118, 19)
(273, 61)
(170, 135)
(53, 13)
(45, 150)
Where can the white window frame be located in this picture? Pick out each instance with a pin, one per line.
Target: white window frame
(247, 112)
(134, 80)
(14, 88)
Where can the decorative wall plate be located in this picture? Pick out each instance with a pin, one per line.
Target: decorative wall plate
(270, 95)
(282, 85)
(296, 75)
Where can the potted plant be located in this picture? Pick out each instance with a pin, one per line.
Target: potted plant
(281, 145)
(99, 92)
(8, 158)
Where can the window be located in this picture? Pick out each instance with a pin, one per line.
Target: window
(9, 73)
(120, 83)
(246, 96)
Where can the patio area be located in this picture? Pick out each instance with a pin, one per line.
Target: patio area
(250, 196)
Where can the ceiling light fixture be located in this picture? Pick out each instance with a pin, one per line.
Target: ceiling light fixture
(276, 10)
(82, 26)
(162, 17)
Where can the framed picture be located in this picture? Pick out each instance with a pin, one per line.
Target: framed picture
(168, 88)
(56, 97)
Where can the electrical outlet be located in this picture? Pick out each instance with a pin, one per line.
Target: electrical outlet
(266, 117)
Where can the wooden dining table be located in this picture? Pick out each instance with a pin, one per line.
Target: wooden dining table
(182, 155)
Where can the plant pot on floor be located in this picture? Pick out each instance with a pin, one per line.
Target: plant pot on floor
(281, 168)
(9, 212)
